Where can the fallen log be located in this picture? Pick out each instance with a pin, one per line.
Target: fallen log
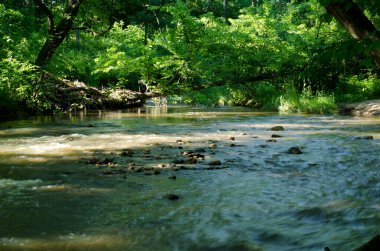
(66, 95)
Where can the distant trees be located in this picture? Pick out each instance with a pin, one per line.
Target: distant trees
(243, 50)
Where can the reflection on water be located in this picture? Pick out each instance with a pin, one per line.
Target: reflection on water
(100, 181)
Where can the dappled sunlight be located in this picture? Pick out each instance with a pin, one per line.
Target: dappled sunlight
(71, 189)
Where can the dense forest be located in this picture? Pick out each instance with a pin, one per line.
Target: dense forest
(287, 55)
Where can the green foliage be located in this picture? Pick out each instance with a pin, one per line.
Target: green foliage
(358, 88)
(187, 49)
(307, 102)
(17, 84)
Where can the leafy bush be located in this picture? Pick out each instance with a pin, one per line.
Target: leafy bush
(358, 88)
(318, 103)
(17, 84)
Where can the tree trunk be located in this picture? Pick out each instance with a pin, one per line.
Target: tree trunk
(357, 23)
(59, 33)
(225, 10)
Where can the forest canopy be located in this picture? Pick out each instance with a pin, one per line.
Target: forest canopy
(288, 55)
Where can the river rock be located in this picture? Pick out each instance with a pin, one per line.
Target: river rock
(371, 245)
(213, 146)
(127, 153)
(215, 163)
(172, 177)
(200, 150)
(271, 140)
(363, 137)
(146, 151)
(178, 161)
(194, 155)
(277, 128)
(276, 136)
(172, 197)
(294, 150)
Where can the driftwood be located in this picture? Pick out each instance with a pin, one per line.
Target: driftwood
(67, 95)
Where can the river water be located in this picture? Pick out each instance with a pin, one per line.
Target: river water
(102, 181)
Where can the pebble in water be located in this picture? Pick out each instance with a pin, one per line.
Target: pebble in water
(277, 128)
(294, 150)
(173, 197)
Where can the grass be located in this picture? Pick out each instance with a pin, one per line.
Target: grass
(307, 102)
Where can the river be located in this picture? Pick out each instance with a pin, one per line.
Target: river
(188, 179)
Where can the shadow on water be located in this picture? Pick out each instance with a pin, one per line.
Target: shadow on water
(101, 182)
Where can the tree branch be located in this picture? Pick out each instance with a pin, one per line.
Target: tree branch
(47, 12)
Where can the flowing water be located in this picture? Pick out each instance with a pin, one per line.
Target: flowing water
(101, 181)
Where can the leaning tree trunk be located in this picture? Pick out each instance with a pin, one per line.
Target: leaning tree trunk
(59, 33)
(357, 23)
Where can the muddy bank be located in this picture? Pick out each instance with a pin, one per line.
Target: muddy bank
(367, 108)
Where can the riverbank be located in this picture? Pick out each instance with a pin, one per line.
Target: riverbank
(367, 108)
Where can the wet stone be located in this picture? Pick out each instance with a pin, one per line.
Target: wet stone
(178, 161)
(277, 128)
(372, 245)
(194, 155)
(294, 150)
(172, 177)
(147, 151)
(192, 160)
(103, 162)
(277, 136)
(215, 163)
(200, 150)
(363, 137)
(271, 140)
(172, 197)
(213, 146)
(127, 153)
